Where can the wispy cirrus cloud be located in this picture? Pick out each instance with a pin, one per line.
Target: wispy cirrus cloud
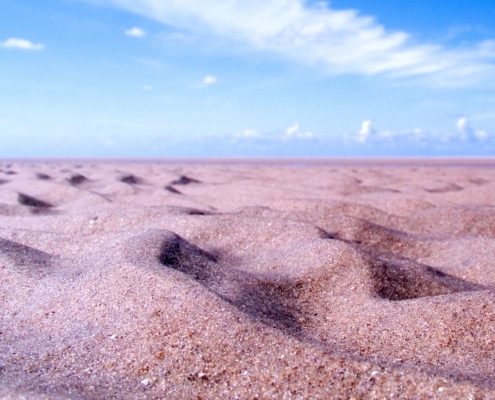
(342, 41)
(21, 44)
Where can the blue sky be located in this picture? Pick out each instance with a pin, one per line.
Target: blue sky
(201, 78)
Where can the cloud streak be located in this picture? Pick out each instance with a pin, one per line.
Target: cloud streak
(21, 44)
(342, 41)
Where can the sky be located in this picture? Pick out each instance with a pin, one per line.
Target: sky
(247, 78)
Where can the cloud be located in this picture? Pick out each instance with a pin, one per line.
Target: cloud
(342, 41)
(366, 131)
(369, 134)
(21, 44)
(135, 32)
(467, 132)
(463, 126)
(248, 134)
(292, 132)
(481, 135)
(308, 136)
(209, 80)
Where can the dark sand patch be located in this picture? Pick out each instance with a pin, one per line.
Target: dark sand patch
(442, 187)
(185, 180)
(31, 201)
(26, 259)
(131, 179)
(171, 189)
(43, 176)
(77, 179)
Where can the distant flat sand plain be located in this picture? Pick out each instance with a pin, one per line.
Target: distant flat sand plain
(245, 279)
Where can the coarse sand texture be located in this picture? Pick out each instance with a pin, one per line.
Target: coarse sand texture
(247, 279)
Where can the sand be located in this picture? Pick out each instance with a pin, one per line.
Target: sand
(289, 279)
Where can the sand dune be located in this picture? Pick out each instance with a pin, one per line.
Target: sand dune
(283, 280)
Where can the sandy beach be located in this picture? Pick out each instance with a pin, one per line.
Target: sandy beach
(289, 279)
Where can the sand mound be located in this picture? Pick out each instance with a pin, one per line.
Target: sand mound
(237, 280)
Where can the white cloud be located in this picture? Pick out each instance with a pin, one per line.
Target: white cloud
(419, 134)
(135, 32)
(366, 131)
(463, 126)
(292, 130)
(209, 80)
(343, 41)
(467, 132)
(481, 135)
(308, 136)
(21, 44)
(248, 134)
(291, 134)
